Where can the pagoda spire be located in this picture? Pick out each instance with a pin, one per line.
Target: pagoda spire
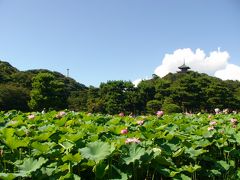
(183, 67)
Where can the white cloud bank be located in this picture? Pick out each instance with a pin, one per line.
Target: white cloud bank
(136, 82)
(215, 64)
(231, 72)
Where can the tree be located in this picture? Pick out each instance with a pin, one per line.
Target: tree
(153, 106)
(169, 106)
(119, 96)
(47, 92)
(220, 96)
(147, 92)
(77, 100)
(94, 102)
(13, 97)
(162, 90)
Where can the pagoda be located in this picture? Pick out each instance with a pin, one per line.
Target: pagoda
(183, 68)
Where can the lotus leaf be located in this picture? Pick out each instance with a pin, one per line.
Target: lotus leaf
(96, 151)
(30, 165)
(135, 152)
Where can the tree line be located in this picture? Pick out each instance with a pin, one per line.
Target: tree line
(35, 90)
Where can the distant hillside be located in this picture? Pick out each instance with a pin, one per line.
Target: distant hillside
(191, 91)
(10, 74)
(16, 86)
(176, 92)
(6, 70)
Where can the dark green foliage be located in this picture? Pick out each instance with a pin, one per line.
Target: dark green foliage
(171, 108)
(13, 97)
(16, 87)
(115, 94)
(6, 70)
(78, 100)
(191, 92)
(47, 92)
(153, 106)
(94, 103)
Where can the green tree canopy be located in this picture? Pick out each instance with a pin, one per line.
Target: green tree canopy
(47, 92)
(13, 97)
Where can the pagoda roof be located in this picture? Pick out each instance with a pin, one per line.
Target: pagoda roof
(184, 67)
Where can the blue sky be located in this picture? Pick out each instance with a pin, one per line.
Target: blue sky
(100, 40)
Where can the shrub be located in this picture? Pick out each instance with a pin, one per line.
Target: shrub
(153, 106)
(171, 108)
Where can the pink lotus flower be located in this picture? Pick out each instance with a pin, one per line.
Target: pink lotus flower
(140, 122)
(121, 114)
(213, 123)
(226, 111)
(124, 131)
(209, 116)
(234, 121)
(60, 114)
(159, 113)
(132, 140)
(188, 114)
(217, 111)
(210, 128)
(31, 116)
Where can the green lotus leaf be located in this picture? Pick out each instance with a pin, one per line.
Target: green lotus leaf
(194, 153)
(135, 152)
(100, 169)
(224, 165)
(96, 151)
(64, 167)
(162, 170)
(67, 145)
(179, 152)
(184, 177)
(49, 170)
(238, 173)
(43, 136)
(13, 142)
(203, 143)
(30, 165)
(72, 137)
(72, 158)
(42, 147)
(8, 132)
(216, 172)
(70, 176)
(237, 137)
(7, 176)
(118, 174)
(161, 160)
(190, 168)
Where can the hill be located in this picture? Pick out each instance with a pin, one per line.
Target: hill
(15, 86)
(176, 92)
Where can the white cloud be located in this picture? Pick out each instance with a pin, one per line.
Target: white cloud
(215, 64)
(136, 82)
(231, 72)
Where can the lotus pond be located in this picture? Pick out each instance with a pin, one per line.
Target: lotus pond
(72, 145)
